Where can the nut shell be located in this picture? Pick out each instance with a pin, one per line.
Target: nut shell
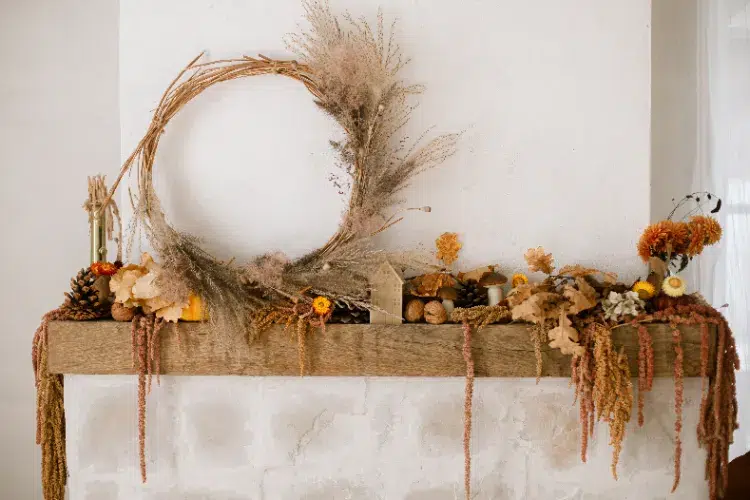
(122, 313)
(434, 313)
(414, 311)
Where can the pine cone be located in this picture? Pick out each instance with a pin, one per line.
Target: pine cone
(83, 295)
(471, 295)
(349, 315)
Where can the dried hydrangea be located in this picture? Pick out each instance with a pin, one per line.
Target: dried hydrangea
(618, 305)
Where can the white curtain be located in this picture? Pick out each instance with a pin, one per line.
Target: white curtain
(722, 274)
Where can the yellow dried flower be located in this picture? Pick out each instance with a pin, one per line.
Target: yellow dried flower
(321, 305)
(674, 286)
(644, 289)
(539, 261)
(519, 279)
(448, 247)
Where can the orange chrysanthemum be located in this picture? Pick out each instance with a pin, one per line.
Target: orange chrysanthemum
(657, 238)
(709, 226)
(680, 237)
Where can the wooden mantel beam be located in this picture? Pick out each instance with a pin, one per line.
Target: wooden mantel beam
(104, 348)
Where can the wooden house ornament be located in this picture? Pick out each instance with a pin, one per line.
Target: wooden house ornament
(387, 294)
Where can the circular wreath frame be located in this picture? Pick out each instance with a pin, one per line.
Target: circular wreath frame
(352, 74)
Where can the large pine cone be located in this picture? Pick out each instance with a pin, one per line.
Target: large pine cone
(471, 295)
(349, 315)
(83, 295)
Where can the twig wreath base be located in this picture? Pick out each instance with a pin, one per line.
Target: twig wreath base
(351, 71)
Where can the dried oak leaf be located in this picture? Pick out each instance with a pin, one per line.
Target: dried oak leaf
(585, 288)
(565, 337)
(538, 308)
(578, 271)
(520, 294)
(427, 285)
(578, 300)
(476, 274)
(539, 261)
(448, 247)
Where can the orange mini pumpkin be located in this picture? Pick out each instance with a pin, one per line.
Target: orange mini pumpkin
(195, 310)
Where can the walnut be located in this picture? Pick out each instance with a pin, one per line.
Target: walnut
(414, 311)
(434, 313)
(122, 313)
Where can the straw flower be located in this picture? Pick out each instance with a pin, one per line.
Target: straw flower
(103, 268)
(519, 279)
(674, 286)
(644, 289)
(321, 306)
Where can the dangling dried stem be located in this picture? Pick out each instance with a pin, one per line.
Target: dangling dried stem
(583, 373)
(718, 418)
(145, 330)
(50, 408)
(613, 391)
(50, 415)
(538, 335)
(678, 399)
(645, 367)
(468, 397)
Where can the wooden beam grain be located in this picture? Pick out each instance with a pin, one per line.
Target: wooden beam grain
(104, 347)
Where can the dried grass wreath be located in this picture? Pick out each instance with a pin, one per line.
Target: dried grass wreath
(351, 71)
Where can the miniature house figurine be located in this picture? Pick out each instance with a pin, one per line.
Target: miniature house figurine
(387, 295)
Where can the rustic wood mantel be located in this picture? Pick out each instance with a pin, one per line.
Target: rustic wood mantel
(104, 348)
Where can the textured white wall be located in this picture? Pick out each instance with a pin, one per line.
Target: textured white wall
(58, 124)
(249, 438)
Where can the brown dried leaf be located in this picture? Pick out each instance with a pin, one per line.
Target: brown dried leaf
(539, 261)
(448, 247)
(520, 294)
(475, 274)
(427, 285)
(529, 311)
(565, 337)
(578, 300)
(586, 289)
(578, 271)
(538, 307)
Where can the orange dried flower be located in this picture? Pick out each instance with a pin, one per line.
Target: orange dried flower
(103, 268)
(680, 237)
(448, 247)
(321, 306)
(709, 226)
(659, 238)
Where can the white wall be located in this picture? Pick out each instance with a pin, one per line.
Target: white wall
(553, 97)
(674, 98)
(58, 124)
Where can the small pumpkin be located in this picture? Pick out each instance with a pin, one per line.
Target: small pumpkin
(195, 310)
